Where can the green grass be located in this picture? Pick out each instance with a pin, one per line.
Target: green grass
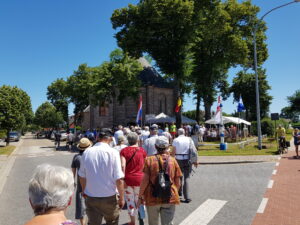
(7, 150)
(232, 149)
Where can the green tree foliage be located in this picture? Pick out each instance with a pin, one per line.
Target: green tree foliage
(294, 101)
(56, 94)
(223, 38)
(116, 78)
(163, 29)
(15, 109)
(47, 116)
(244, 85)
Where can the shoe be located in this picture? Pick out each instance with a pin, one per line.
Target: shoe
(188, 200)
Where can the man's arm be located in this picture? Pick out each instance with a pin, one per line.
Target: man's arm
(120, 187)
(123, 163)
(82, 183)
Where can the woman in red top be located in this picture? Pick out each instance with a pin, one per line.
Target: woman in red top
(132, 161)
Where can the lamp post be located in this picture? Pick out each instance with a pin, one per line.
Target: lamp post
(256, 73)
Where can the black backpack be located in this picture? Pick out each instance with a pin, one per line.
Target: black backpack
(162, 185)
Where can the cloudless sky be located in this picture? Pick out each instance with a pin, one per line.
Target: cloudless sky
(41, 41)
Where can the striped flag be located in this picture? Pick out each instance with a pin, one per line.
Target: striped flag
(140, 112)
(178, 105)
(218, 116)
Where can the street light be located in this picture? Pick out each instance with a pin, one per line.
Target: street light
(256, 73)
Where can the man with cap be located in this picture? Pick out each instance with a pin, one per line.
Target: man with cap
(186, 155)
(149, 143)
(83, 144)
(163, 208)
(101, 177)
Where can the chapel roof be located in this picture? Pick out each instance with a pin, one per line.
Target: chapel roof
(150, 77)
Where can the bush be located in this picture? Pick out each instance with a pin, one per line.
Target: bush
(2, 134)
(268, 126)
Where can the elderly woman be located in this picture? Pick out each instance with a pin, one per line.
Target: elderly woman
(50, 193)
(132, 161)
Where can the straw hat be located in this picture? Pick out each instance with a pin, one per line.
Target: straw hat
(84, 143)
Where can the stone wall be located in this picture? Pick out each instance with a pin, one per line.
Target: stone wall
(155, 101)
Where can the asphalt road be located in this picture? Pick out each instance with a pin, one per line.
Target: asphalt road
(240, 185)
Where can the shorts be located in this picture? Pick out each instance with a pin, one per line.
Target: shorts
(131, 198)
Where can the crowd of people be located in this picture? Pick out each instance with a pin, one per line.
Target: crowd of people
(144, 169)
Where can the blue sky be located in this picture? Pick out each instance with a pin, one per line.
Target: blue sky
(41, 41)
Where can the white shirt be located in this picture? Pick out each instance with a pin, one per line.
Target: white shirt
(101, 166)
(182, 145)
(149, 145)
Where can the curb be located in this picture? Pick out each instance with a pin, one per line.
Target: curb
(5, 170)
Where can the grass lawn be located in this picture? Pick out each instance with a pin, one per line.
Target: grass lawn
(270, 148)
(7, 150)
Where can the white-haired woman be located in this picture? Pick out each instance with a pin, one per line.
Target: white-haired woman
(50, 193)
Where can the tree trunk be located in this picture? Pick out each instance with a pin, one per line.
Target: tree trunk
(7, 137)
(198, 108)
(207, 108)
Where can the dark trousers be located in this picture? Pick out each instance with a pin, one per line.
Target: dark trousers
(107, 207)
(186, 169)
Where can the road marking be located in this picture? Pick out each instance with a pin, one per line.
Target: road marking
(270, 184)
(262, 205)
(277, 164)
(204, 213)
(274, 172)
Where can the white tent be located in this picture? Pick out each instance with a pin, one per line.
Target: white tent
(228, 119)
(163, 118)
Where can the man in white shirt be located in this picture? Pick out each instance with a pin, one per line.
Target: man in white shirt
(101, 178)
(186, 155)
(149, 143)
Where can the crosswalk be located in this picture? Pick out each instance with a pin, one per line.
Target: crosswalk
(204, 213)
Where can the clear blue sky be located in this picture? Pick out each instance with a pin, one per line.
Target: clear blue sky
(41, 41)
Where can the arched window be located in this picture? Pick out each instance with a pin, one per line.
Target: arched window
(162, 103)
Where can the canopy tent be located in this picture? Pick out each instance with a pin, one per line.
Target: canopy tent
(228, 119)
(187, 120)
(163, 118)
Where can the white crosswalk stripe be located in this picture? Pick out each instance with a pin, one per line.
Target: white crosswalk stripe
(204, 213)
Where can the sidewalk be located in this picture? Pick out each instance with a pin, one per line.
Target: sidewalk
(281, 203)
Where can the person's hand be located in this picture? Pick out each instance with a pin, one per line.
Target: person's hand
(121, 202)
(83, 195)
(195, 164)
(141, 201)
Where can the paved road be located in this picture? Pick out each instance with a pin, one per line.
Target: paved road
(240, 188)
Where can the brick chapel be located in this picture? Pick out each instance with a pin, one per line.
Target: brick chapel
(157, 93)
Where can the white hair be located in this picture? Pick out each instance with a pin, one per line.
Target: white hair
(50, 188)
(181, 131)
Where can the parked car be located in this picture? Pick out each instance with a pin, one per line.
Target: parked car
(63, 135)
(14, 136)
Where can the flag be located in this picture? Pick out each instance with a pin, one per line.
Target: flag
(240, 107)
(218, 116)
(140, 112)
(178, 105)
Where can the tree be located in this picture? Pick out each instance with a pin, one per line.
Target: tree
(223, 38)
(192, 115)
(294, 101)
(244, 85)
(56, 94)
(47, 116)
(15, 109)
(164, 30)
(288, 113)
(116, 78)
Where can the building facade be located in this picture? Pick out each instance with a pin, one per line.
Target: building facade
(157, 94)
